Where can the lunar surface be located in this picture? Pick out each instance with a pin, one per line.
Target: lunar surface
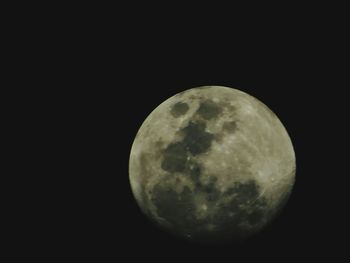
(212, 164)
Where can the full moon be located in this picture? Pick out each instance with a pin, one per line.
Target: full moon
(211, 164)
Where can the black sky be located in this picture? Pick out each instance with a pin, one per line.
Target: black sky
(122, 70)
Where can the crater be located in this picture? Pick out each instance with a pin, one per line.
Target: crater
(230, 126)
(180, 108)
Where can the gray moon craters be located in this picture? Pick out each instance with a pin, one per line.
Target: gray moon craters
(230, 126)
(212, 163)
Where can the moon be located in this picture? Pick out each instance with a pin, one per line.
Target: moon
(212, 164)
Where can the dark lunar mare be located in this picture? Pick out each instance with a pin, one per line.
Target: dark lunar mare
(176, 209)
(180, 108)
(235, 219)
(175, 157)
(196, 141)
(245, 205)
(209, 110)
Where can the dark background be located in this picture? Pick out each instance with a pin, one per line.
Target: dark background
(114, 70)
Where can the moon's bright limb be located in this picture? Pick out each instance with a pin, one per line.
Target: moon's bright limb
(212, 163)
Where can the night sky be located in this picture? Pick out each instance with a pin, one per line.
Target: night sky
(123, 71)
